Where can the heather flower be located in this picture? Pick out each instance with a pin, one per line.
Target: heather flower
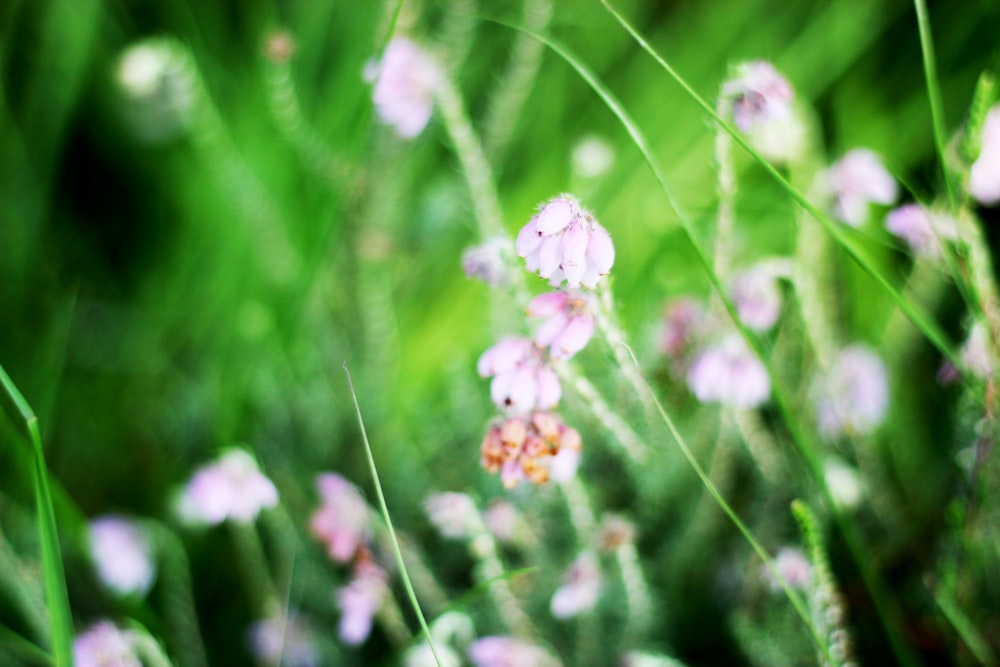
(922, 229)
(568, 324)
(730, 374)
(581, 588)
(453, 514)
(565, 242)
(792, 566)
(592, 157)
(404, 85)
(283, 640)
(759, 94)
(506, 524)
(231, 488)
(360, 600)
(422, 656)
(984, 177)
(509, 652)
(757, 295)
(975, 353)
(487, 262)
(522, 380)
(104, 645)
(853, 397)
(843, 482)
(342, 521)
(122, 553)
(156, 81)
(526, 448)
(857, 180)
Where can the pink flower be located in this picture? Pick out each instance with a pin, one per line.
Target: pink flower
(581, 588)
(104, 645)
(522, 380)
(506, 523)
(283, 640)
(508, 652)
(231, 488)
(342, 521)
(360, 600)
(759, 94)
(792, 565)
(853, 397)
(757, 295)
(122, 554)
(857, 180)
(523, 448)
(922, 230)
(975, 353)
(487, 262)
(453, 514)
(568, 324)
(984, 178)
(405, 83)
(565, 242)
(730, 374)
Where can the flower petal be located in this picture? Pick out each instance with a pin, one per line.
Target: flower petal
(555, 216)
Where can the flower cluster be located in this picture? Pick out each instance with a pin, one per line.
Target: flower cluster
(507, 651)
(361, 599)
(522, 379)
(536, 448)
(568, 325)
(757, 294)
(123, 555)
(984, 176)
(922, 229)
(404, 84)
(581, 587)
(853, 397)
(729, 373)
(758, 94)
(231, 488)
(565, 242)
(104, 644)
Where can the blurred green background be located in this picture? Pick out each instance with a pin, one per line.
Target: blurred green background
(172, 284)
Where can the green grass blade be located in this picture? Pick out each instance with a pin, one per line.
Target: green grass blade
(384, 509)
(60, 619)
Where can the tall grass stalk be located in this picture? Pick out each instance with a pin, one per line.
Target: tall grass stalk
(60, 618)
(388, 522)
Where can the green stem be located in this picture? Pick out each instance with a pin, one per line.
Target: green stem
(180, 612)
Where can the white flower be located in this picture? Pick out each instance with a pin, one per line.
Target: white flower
(853, 397)
(581, 588)
(857, 180)
(729, 373)
(122, 554)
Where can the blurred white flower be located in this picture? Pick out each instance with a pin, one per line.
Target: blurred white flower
(231, 488)
(360, 600)
(857, 180)
(104, 645)
(923, 230)
(509, 652)
(342, 521)
(730, 374)
(283, 640)
(453, 514)
(155, 78)
(581, 588)
(757, 294)
(122, 554)
(793, 566)
(592, 157)
(853, 397)
(984, 177)
(405, 82)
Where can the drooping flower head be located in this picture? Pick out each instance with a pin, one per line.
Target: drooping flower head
(104, 645)
(757, 294)
(923, 230)
(509, 652)
(342, 521)
(984, 177)
(506, 524)
(122, 554)
(405, 82)
(565, 242)
(453, 514)
(568, 325)
(759, 94)
(857, 180)
(536, 448)
(283, 640)
(853, 397)
(231, 488)
(581, 587)
(730, 374)
(360, 600)
(522, 380)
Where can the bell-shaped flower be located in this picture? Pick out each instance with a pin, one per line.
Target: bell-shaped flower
(853, 397)
(581, 588)
(757, 294)
(529, 448)
(509, 652)
(360, 600)
(857, 180)
(922, 229)
(759, 94)
(123, 555)
(342, 521)
(565, 242)
(730, 374)
(231, 488)
(522, 380)
(984, 177)
(405, 82)
(568, 325)
(283, 640)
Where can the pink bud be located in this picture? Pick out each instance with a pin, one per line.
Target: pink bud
(574, 337)
(555, 216)
(600, 250)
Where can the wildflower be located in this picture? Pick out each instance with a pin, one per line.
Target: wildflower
(453, 514)
(857, 180)
(592, 157)
(975, 353)
(568, 324)
(759, 94)
(156, 80)
(122, 554)
(508, 652)
(342, 521)
(615, 531)
(527, 448)
(360, 600)
(792, 566)
(422, 656)
(487, 262)
(506, 523)
(565, 242)
(581, 588)
(922, 229)
(854, 396)
(231, 488)
(404, 86)
(283, 640)
(984, 177)
(844, 483)
(104, 645)
(522, 381)
(757, 294)
(730, 374)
